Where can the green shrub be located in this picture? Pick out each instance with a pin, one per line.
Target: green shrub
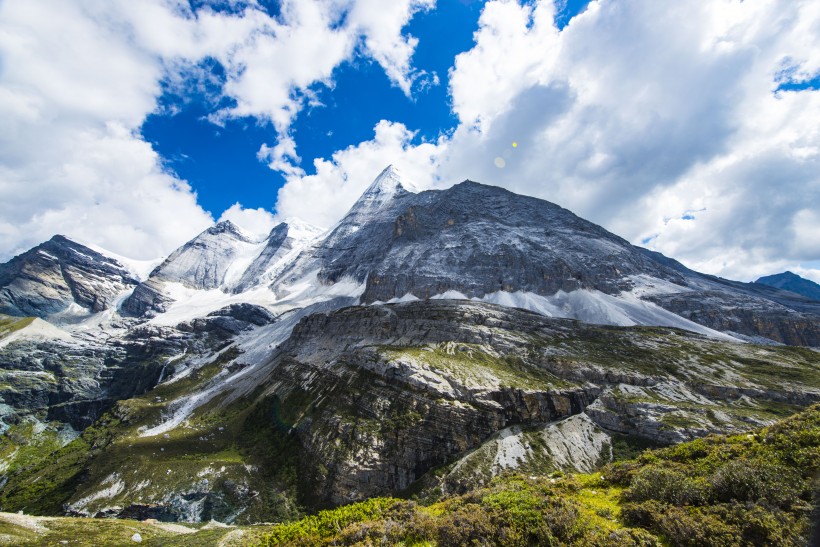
(667, 485)
(756, 480)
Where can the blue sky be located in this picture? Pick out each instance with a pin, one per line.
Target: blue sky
(361, 95)
(687, 127)
(220, 163)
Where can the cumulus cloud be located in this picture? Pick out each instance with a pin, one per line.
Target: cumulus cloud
(638, 114)
(258, 222)
(71, 161)
(79, 78)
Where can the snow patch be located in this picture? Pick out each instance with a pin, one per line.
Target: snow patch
(510, 449)
(592, 306)
(116, 488)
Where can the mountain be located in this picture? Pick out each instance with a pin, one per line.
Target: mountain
(221, 258)
(789, 281)
(478, 241)
(61, 275)
(429, 341)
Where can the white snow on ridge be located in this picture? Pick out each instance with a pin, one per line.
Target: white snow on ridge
(300, 230)
(244, 255)
(140, 269)
(646, 285)
(592, 306)
(191, 304)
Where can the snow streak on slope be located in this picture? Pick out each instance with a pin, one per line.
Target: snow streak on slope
(591, 306)
(257, 347)
(140, 269)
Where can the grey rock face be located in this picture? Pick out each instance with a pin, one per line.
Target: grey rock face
(277, 244)
(476, 239)
(50, 277)
(70, 383)
(202, 263)
(379, 395)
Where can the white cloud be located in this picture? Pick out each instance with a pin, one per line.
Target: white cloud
(79, 78)
(70, 159)
(381, 25)
(281, 157)
(258, 222)
(651, 112)
(322, 198)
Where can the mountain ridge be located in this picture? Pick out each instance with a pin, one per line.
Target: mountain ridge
(792, 282)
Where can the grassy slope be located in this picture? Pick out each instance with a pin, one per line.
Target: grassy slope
(10, 324)
(750, 489)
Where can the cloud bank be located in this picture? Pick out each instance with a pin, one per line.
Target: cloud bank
(690, 128)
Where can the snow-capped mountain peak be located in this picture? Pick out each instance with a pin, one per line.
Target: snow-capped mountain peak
(390, 181)
(300, 230)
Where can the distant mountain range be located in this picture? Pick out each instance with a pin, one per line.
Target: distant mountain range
(789, 281)
(429, 340)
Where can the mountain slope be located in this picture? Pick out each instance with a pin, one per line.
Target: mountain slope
(222, 258)
(789, 281)
(365, 401)
(429, 340)
(753, 489)
(57, 274)
(681, 496)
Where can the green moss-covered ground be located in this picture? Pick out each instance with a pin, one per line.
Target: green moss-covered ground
(224, 445)
(751, 489)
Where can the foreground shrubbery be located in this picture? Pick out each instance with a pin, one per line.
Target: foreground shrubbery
(751, 489)
(754, 489)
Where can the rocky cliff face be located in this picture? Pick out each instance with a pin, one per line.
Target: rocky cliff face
(380, 395)
(51, 277)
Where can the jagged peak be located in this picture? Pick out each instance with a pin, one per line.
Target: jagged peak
(389, 182)
(227, 227)
(61, 244)
(300, 230)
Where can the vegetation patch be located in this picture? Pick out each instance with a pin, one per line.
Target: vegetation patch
(10, 324)
(470, 363)
(750, 489)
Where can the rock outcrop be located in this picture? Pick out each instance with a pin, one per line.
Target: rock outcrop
(57, 274)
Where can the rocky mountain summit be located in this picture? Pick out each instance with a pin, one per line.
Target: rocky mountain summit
(794, 283)
(58, 274)
(428, 342)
